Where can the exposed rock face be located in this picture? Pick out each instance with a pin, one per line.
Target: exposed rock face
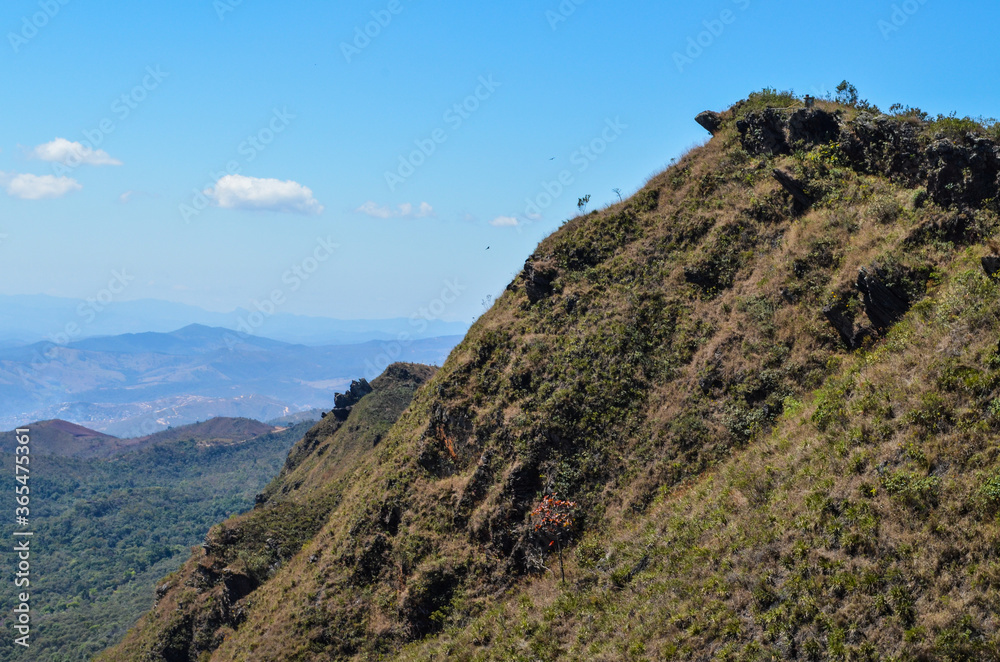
(538, 281)
(883, 306)
(991, 265)
(964, 174)
(882, 145)
(802, 200)
(813, 127)
(710, 120)
(343, 402)
(763, 132)
(842, 321)
(776, 131)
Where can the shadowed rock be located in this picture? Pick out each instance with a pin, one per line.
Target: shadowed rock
(991, 265)
(343, 402)
(841, 319)
(883, 306)
(802, 199)
(962, 174)
(882, 145)
(538, 281)
(710, 120)
(813, 126)
(763, 132)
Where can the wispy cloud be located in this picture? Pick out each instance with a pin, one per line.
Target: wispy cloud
(253, 193)
(69, 153)
(505, 222)
(37, 187)
(405, 210)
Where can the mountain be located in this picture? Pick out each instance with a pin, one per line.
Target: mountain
(749, 413)
(65, 439)
(107, 529)
(137, 384)
(38, 318)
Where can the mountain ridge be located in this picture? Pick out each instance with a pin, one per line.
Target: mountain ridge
(768, 381)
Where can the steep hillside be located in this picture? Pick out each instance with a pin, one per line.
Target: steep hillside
(769, 382)
(198, 607)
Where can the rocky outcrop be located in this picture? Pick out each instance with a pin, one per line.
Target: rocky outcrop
(762, 133)
(813, 126)
(710, 120)
(962, 174)
(343, 402)
(991, 265)
(795, 188)
(882, 145)
(538, 280)
(778, 131)
(884, 306)
(956, 173)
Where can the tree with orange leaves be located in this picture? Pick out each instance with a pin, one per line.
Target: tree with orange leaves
(552, 521)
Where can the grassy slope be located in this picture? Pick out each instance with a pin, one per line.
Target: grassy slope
(197, 607)
(748, 488)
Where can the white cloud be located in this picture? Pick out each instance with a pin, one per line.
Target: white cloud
(374, 210)
(239, 192)
(37, 187)
(504, 222)
(405, 210)
(72, 154)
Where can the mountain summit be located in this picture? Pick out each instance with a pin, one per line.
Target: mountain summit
(760, 399)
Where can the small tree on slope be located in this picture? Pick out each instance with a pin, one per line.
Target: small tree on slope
(553, 522)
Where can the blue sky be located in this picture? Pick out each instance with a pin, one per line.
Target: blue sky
(168, 95)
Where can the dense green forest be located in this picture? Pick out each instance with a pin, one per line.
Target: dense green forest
(107, 530)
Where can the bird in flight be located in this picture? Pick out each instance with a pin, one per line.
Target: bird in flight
(487, 248)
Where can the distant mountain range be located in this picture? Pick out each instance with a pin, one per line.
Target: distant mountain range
(32, 318)
(133, 385)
